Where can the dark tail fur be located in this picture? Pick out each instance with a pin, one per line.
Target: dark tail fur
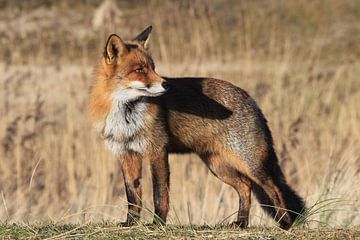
(293, 202)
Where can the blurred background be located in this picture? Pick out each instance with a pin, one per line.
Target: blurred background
(298, 59)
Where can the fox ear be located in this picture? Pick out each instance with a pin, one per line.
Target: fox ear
(115, 48)
(143, 37)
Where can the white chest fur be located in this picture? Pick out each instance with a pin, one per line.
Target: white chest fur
(123, 125)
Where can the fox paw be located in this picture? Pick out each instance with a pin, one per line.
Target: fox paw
(126, 224)
(239, 224)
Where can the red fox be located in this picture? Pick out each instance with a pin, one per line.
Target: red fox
(142, 115)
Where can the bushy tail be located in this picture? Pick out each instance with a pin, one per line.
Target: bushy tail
(294, 204)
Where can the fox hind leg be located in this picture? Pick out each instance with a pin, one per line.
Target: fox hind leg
(234, 178)
(242, 185)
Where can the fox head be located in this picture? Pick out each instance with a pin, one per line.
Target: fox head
(129, 69)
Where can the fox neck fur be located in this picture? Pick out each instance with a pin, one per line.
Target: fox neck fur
(123, 124)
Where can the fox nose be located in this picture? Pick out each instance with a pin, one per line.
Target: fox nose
(165, 85)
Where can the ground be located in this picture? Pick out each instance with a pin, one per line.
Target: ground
(112, 231)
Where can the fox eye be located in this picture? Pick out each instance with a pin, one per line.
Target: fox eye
(140, 70)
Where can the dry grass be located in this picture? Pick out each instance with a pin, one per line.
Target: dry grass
(298, 59)
(108, 230)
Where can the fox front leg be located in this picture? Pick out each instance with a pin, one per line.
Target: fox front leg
(161, 180)
(131, 168)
